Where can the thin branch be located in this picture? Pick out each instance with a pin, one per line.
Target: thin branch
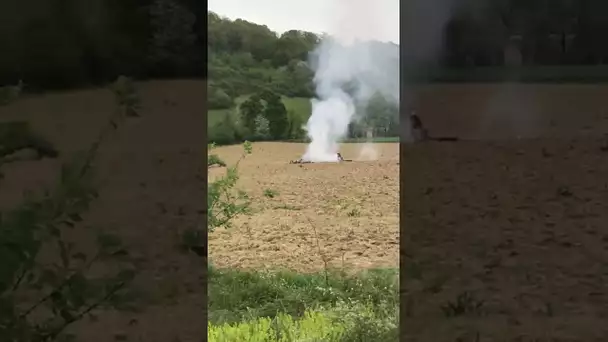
(65, 282)
(52, 336)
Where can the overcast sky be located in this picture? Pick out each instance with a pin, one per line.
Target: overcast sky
(363, 19)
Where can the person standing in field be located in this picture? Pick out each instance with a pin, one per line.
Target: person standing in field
(419, 133)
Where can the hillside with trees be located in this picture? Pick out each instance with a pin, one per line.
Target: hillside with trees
(260, 84)
(67, 44)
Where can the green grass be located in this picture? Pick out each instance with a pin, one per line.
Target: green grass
(299, 105)
(236, 296)
(345, 322)
(377, 140)
(373, 140)
(216, 115)
(360, 306)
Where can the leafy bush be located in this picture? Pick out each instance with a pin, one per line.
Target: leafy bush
(343, 323)
(218, 99)
(223, 201)
(40, 298)
(314, 326)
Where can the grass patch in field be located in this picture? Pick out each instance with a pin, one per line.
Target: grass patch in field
(287, 207)
(373, 140)
(238, 296)
(299, 105)
(345, 322)
(270, 193)
(215, 116)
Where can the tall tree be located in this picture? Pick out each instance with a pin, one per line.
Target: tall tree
(173, 44)
(250, 109)
(276, 114)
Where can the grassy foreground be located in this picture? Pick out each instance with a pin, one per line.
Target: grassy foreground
(285, 306)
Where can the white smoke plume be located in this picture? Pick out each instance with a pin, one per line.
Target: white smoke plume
(351, 56)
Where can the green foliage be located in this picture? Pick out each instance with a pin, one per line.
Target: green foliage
(40, 298)
(314, 326)
(239, 295)
(465, 304)
(223, 201)
(173, 49)
(269, 193)
(71, 43)
(276, 114)
(344, 323)
(218, 98)
(246, 58)
(250, 109)
(226, 131)
(127, 98)
(364, 305)
(262, 128)
(213, 160)
(295, 128)
(380, 117)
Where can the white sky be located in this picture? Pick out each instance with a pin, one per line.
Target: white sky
(363, 19)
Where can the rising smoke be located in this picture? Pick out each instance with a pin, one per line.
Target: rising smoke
(351, 59)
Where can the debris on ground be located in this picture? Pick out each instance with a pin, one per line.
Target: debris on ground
(302, 161)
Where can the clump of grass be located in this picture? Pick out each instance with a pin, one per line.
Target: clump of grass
(465, 304)
(63, 291)
(270, 193)
(354, 212)
(127, 98)
(213, 160)
(287, 207)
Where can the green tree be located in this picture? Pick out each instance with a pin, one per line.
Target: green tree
(218, 99)
(250, 109)
(295, 130)
(173, 42)
(380, 114)
(276, 114)
(262, 131)
(225, 132)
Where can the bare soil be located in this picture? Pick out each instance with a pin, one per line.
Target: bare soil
(515, 227)
(310, 216)
(151, 189)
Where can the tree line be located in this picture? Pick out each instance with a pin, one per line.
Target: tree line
(250, 60)
(527, 32)
(245, 57)
(71, 43)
